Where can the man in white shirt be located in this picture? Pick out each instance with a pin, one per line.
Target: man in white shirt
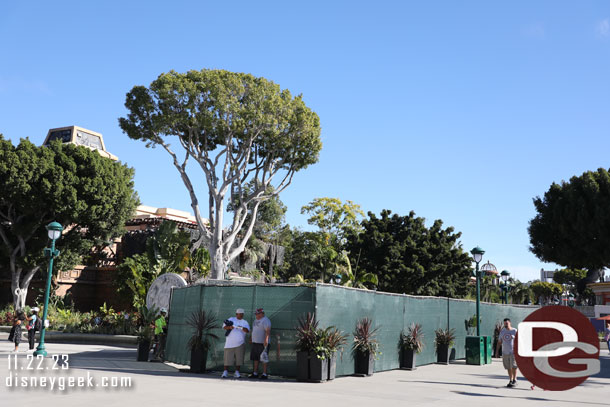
(235, 344)
(506, 339)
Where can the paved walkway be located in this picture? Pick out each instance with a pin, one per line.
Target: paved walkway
(156, 384)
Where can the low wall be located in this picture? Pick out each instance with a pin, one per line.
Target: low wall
(333, 305)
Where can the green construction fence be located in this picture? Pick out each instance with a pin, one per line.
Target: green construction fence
(333, 305)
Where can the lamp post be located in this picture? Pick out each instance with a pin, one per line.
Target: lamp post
(54, 230)
(477, 255)
(505, 274)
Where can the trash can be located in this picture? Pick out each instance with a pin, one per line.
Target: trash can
(475, 350)
(488, 345)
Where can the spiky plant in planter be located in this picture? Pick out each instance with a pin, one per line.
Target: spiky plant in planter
(412, 343)
(444, 340)
(200, 342)
(365, 346)
(145, 332)
(335, 341)
(312, 350)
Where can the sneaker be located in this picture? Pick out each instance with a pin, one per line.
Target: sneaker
(225, 374)
(264, 377)
(236, 375)
(514, 382)
(510, 384)
(253, 376)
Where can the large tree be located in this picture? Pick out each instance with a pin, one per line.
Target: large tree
(409, 257)
(239, 130)
(91, 196)
(572, 224)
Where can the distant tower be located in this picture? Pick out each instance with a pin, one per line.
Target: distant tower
(80, 137)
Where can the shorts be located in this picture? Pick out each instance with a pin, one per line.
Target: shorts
(509, 361)
(256, 350)
(235, 355)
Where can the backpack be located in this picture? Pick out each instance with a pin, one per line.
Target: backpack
(37, 324)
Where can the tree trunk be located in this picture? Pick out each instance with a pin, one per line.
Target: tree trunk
(217, 262)
(19, 298)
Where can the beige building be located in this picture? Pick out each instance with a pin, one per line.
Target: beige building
(80, 137)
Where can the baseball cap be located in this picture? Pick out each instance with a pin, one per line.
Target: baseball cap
(239, 311)
(259, 311)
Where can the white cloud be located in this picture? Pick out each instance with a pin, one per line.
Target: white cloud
(603, 28)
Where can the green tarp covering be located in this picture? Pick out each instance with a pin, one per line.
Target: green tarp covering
(333, 305)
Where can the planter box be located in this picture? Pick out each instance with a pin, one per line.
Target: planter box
(365, 363)
(143, 351)
(442, 354)
(310, 368)
(407, 361)
(198, 360)
(332, 366)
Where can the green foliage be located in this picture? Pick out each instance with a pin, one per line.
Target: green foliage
(242, 130)
(444, 336)
(167, 251)
(365, 337)
(134, 277)
(520, 293)
(413, 339)
(349, 278)
(91, 196)
(571, 224)
(203, 324)
(310, 337)
(408, 257)
(333, 218)
(544, 292)
(569, 276)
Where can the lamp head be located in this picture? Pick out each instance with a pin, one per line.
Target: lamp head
(477, 254)
(54, 230)
(505, 274)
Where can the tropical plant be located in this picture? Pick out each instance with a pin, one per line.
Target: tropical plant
(349, 278)
(335, 339)
(311, 338)
(444, 336)
(203, 323)
(365, 337)
(413, 339)
(497, 328)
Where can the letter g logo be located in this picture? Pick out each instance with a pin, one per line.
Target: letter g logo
(557, 348)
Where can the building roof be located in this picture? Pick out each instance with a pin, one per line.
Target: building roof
(81, 137)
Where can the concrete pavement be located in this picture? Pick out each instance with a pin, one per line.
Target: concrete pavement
(156, 384)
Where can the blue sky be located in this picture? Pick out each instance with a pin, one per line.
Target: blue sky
(462, 111)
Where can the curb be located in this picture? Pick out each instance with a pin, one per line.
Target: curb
(98, 339)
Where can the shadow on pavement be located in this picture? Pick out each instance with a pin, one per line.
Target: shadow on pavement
(465, 393)
(124, 361)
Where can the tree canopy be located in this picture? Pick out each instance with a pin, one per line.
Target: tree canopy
(239, 129)
(409, 257)
(572, 224)
(91, 196)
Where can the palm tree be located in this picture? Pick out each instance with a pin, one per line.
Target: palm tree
(349, 278)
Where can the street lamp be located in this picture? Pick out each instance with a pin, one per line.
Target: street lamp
(477, 255)
(54, 230)
(505, 274)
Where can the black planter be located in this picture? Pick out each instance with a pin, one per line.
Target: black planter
(198, 359)
(332, 366)
(408, 359)
(310, 368)
(143, 350)
(365, 363)
(442, 354)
